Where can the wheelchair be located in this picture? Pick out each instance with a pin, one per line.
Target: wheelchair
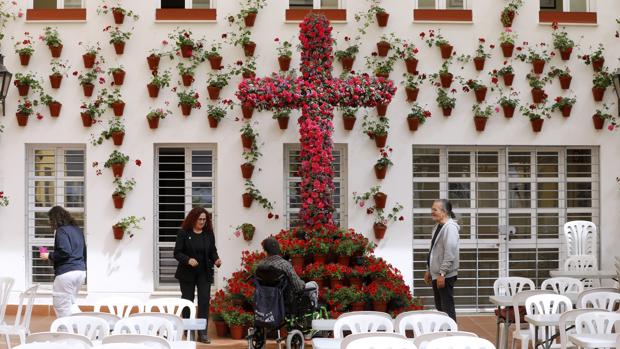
(300, 310)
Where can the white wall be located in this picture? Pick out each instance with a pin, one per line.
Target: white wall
(127, 266)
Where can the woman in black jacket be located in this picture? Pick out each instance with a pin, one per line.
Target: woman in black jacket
(197, 254)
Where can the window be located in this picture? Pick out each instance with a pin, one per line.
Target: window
(567, 5)
(442, 4)
(292, 181)
(317, 4)
(184, 179)
(57, 4)
(185, 10)
(334, 10)
(568, 11)
(185, 4)
(442, 11)
(56, 10)
(55, 177)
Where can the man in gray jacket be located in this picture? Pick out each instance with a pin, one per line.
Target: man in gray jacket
(443, 257)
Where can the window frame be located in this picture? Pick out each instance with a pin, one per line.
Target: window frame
(316, 5)
(590, 17)
(442, 5)
(60, 5)
(189, 5)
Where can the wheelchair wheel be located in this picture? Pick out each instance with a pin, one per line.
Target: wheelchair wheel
(256, 338)
(295, 340)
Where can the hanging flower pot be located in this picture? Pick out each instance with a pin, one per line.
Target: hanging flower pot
(118, 232)
(355, 281)
(508, 79)
(247, 170)
(319, 258)
(87, 120)
(446, 51)
(379, 306)
(598, 121)
(446, 79)
(480, 122)
(88, 89)
(214, 92)
(119, 16)
(537, 124)
(383, 47)
(153, 123)
(382, 75)
(284, 62)
(221, 329)
(117, 138)
(119, 108)
(247, 141)
(539, 66)
(565, 81)
(89, 60)
(380, 140)
(379, 230)
(248, 74)
(186, 51)
(117, 170)
(566, 110)
(283, 122)
(119, 77)
(597, 65)
(479, 63)
(349, 122)
(249, 19)
(382, 18)
(538, 95)
(347, 63)
(380, 171)
(507, 17)
(334, 283)
(247, 111)
(187, 79)
(507, 49)
(598, 93)
(358, 306)
(213, 122)
(248, 49)
(447, 111)
(22, 119)
(215, 62)
(153, 62)
(119, 47)
(54, 108)
(56, 51)
(55, 80)
(565, 54)
(297, 261)
(380, 199)
(23, 89)
(24, 59)
(381, 109)
(153, 90)
(412, 94)
(186, 109)
(413, 123)
(509, 110)
(412, 65)
(344, 260)
(481, 94)
(118, 201)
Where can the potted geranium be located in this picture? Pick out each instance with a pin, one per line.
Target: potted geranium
(126, 225)
(601, 116)
(436, 39)
(379, 66)
(537, 114)
(59, 69)
(90, 55)
(386, 43)
(24, 82)
(155, 115)
(537, 84)
(4, 199)
(117, 11)
(348, 117)
(216, 307)
(509, 102)
(510, 11)
(187, 71)
(244, 40)
(116, 131)
(382, 220)
(412, 85)
(444, 77)
(183, 40)
(157, 82)
(118, 75)
(247, 68)
(358, 274)
(563, 75)
(344, 249)
(481, 114)
(52, 40)
(215, 83)
(336, 273)
(445, 102)
(237, 320)
(247, 230)
(90, 112)
(214, 56)
(380, 294)
(596, 58)
(188, 100)
(250, 156)
(408, 52)
(537, 56)
(154, 57)
(479, 89)
(283, 116)
(249, 10)
(118, 38)
(506, 72)
(481, 54)
(117, 161)
(601, 81)
(383, 163)
(25, 108)
(285, 53)
(53, 105)
(378, 128)
(87, 80)
(417, 116)
(251, 194)
(564, 104)
(347, 56)
(248, 136)
(315, 272)
(562, 42)
(319, 247)
(217, 112)
(121, 189)
(507, 41)
(25, 49)
(115, 101)
(375, 192)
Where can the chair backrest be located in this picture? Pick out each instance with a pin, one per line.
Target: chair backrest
(600, 300)
(376, 341)
(547, 304)
(176, 321)
(519, 300)
(426, 323)
(24, 310)
(581, 262)
(143, 341)
(509, 286)
(403, 315)
(378, 313)
(125, 346)
(567, 319)
(362, 324)
(173, 306)
(597, 322)
(6, 284)
(69, 340)
(460, 342)
(580, 238)
(562, 285)
(421, 342)
(44, 346)
(148, 325)
(111, 319)
(592, 290)
(119, 306)
(93, 328)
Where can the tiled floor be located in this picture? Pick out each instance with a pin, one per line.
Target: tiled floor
(482, 325)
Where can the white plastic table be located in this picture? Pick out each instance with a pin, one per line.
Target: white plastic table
(543, 320)
(326, 343)
(594, 340)
(194, 325)
(594, 274)
(323, 324)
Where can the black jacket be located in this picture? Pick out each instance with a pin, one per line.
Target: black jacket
(69, 250)
(184, 249)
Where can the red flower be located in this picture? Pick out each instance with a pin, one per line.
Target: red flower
(138, 162)
(270, 215)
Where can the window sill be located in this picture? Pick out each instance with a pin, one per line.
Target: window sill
(68, 14)
(567, 17)
(298, 15)
(170, 14)
(459, 16)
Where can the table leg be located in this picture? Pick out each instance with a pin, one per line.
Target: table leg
(506, 328)
(535, 337)
(497, 321)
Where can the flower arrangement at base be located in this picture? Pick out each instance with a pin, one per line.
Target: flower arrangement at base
(25, 49)
(319, 247)
(445, 102)
(126, 226)
(116, 162)
(412, 85)
(538, 56)
(115, 101)
(155, 115)
(91, 112)
(342, 298)
(116, 131)
(348, 117)
(336, 273)
(4, 199)
(117, 74)
(254, 194)
(510, 11)
(121, 189)
(564, 104)
(216, 307)
(237, 320)
(507, 40)
(437, 40)
(53, 105)
(380, 293)
(158, 80)
(600, 82)
(118, 12)
(603, 115)
(381, 166)
(377, 128)
(347, 55)
(509, 102)
(250, 260)
(562, 42)
(596, 58)
(563, 75)
(481, 114)
(25, 108)
(188, 100)
(285, 54)
(417, 116)
(537, 113)
(381, 220)
(25, 82)
(247, 230)
(51, 38)
(344, 248)
(315, 272)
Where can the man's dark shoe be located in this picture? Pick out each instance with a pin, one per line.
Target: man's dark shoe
(204, 339)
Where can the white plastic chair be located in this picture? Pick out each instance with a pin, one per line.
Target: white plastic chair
(460, 342)
(597, 323)
(567, 319)
(421, 342)
(519, 333)
(366, 312)
(146, 325)
(111, 319)
(119, 306)
(6, 284)
(173, 306)
(580, 237)
(91, 327)
(600, 300)
(546, 304)
(563, 285)
(43, 346)
(581, 263)
(509, 286)
(21, 326)
(403, 315)
(143, 341)
(176, 321)
(426, 323)
(69, 340)
(376, 341)
(125, 346)
(362, 324)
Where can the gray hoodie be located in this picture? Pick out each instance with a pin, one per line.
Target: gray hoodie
(445, 254)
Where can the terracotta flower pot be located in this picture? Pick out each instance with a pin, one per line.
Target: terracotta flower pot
(565, 81)
(333, 283)
(381, 109)
(214, 92)
(215, 62)
(480, 122)
(566, 110)
(412, 65)
(22, 119)
(344, 260)
(446, 79)
(87, 120)
(56, 51)
(119, 47)
(54, 108)
(479, 63)
(382, 75)
(186, 109)
(246, 170)
(380, 140)
(565, 54)
(119, 77)
(118, 232)
(247, 111)
(283, 123)
(353, 281)
(153, 123)
(507, 18)
(24, 59)
(249, 19)
(22, 89)
(117, 138)
(507, 49)
(55, 80)
(246, 141)
(237, 332)
(89, 60)
(347, 63)
(118, 201)
(539, 66)
(284, 62)
(117, 170)
(508, 79)
(537, 124)
(221, 329)
(249, 48)
(412, 94)
(382, 18)
(509, 110)
(538, 95)
(379, 306)
(598, 93)
(248, 74)
(380, 199)
(88, 89)
(349, 122)
(358, 306)
(380, 171)
(320, 259)
(446, 51)
(119, 16)
(153, 90)
(383, 47)
(481, 94)
(297, 262)
(379, 230)
(187, 79)
(118, 108)
(213, 122)
(413, 123)
(597, 65)
(598, 121)
(153, 62)
(187, 51)
(446, 111)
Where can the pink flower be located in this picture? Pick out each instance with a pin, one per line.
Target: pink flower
(237, 233)
(611, 127)
(497, 109)
(164, 42)
(20, 14)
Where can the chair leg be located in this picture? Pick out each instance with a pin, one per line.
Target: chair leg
(7, 338)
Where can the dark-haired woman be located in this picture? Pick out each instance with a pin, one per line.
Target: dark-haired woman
(197, 254)
(443, 256)
(69, 257)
